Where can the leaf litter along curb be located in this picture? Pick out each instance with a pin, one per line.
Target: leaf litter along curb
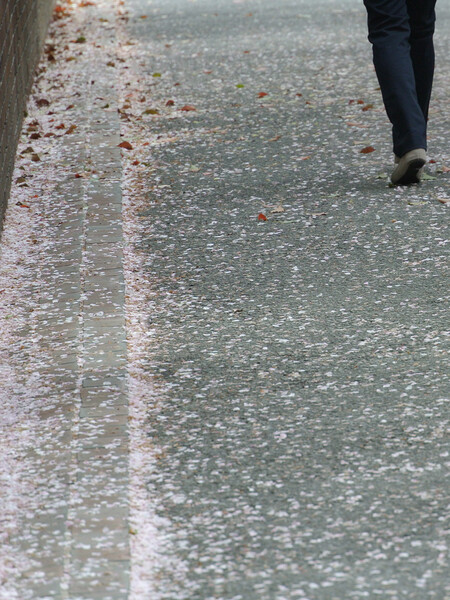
(21, 357)
(150, 546)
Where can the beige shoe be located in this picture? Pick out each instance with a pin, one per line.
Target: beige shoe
(419, 174)
(409, 167)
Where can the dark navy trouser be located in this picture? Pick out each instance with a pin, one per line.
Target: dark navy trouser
(401, 33)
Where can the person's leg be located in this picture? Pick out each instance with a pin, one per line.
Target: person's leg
(422, 18)
(389, 33)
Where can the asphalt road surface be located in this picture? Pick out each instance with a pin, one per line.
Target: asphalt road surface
(300, 362)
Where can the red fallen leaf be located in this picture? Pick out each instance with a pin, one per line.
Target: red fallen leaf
(146, 143)
(367, 107)
(22, 204)
(187, 108)
(262, 217)
(350, 101)
(42, 102)
(367, 150)
(60, 126)
(77, 176)
(35, 136)
(246, 51)
(207, 72)
(60, 11)
(444, 200)
(70, 106)
(136, 162)
(33, 126)
(262, 94)
(299, 95)
(360, 102)
(71, 129)
(170, 103)
(125, 145)
(87, 3)
(432, 161)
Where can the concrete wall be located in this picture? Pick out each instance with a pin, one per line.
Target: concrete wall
(23, 24)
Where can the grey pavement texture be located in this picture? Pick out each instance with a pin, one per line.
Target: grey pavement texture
(302, 361)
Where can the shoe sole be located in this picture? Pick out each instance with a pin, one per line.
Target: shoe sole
(411, 173)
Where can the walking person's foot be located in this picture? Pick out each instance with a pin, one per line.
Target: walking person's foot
(409, 167)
